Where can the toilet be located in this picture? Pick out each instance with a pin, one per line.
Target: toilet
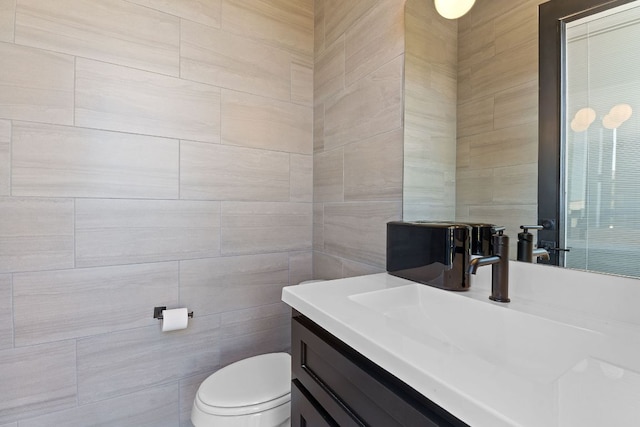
(253, 392)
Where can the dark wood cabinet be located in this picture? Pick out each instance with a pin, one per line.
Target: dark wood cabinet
(334, 385)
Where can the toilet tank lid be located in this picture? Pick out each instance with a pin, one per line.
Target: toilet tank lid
(248, 382)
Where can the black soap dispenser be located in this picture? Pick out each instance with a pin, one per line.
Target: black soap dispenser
(525, 243)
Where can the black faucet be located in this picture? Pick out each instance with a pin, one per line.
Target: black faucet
(499, 262)
(526, 251)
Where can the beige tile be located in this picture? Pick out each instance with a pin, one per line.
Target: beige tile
(7, 20)
(326, 267)
(476, 43)
(352, 269)
(328, 180)
(373, 168)
(111, 232)
(340, 15)
(318, 26)
(63, 304)
(230, 61)
(357, 231)
(115, 31)
(300, 267)
(504, 147)
(154, 407)
(130, 361)
(328, 77)
(368, 107)
(53, 161)
(259, 330)
(6, 312)
(215, 285)
(517, 26)
(287, 24)
(474, 187)
(318, 128)
(205, 12)
(318, 227)
(302, 83)
(240, 173)
(40, 379)
(35, 234)
(36, 85)
(254, 121)
(375, 40)
(516, 185)
(5, 157)
(301, 168)
(265, 227)
(117, 98)
(516, 106)
(475, 116)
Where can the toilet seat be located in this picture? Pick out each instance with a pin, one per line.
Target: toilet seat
(248, 386)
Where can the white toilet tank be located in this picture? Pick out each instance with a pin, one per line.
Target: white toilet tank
(253, 392)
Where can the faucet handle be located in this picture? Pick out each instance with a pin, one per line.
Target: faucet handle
(498, 229)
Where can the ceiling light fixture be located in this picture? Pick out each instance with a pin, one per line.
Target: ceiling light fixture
(453, 9)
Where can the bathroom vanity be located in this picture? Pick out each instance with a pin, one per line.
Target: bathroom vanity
(382, 350)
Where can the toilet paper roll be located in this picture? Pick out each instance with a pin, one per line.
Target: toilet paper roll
(172, 320)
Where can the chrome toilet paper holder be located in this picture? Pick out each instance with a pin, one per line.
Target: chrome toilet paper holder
(157, 312)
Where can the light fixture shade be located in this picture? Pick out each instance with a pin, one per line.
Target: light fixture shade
(453, 9)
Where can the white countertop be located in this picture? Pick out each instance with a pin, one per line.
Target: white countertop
(580, 368)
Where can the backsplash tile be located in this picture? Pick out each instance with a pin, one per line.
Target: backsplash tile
(111, 232)
(37, 85)
(36, 234)
(124, 99)
(75, 303)
(64, 161)
(115, 31)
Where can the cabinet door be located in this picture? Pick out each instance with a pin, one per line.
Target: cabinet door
(305, 411)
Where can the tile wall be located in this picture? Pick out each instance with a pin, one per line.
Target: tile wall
(358, 133)
(151, 153)
(497, 150)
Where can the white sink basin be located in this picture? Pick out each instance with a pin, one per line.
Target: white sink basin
(539, 349)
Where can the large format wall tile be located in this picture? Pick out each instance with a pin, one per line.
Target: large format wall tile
(226, 60)
(258, 330)
(254, 121)
(36, 85)
(373, 168)
(328, 176)
(370, 106)
(110, 232)
(57, 305)
(188, 389)
(118, 98)
(376, 39)
(340, 15)
(41, 379)
(240, 173)
(302, 82)
(5, 157)
(215, 285)
(154, 407)
(253, 227)
(301, 187)
(67, 161)
(115, 31)
(300, 267)
(129, 361)
(328, 76)
(6, 312)
(206, 12)
(7, 17)
(357, 231)
(287, 24)
(35, 234)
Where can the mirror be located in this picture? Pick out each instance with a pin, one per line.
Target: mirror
(495, 75)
